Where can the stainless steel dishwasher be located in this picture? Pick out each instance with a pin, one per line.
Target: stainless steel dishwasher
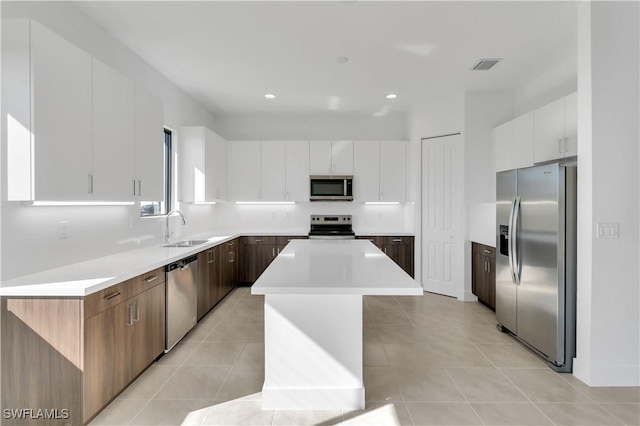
(182, 302)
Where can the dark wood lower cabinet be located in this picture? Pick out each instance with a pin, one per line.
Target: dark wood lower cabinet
(257, 253)
(75, 354)
(483, 270)
(399, 248)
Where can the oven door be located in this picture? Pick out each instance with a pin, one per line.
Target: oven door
(331, 188)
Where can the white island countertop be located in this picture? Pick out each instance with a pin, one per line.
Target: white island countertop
(84, 278)
(335, 267)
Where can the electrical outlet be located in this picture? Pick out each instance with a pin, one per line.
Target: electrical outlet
(63, 233)
(608, 231)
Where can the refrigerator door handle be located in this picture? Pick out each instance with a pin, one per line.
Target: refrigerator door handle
(511, 237)
(514, 241)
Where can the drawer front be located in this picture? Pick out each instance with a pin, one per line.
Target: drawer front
(107, 298)
(267, 240)
(397, 240)
(375, 240)
(283, 240)
(484, 250)
(147, 280)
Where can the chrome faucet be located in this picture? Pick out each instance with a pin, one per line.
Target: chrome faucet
(167, 235)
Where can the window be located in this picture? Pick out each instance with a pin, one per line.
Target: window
(157, 208)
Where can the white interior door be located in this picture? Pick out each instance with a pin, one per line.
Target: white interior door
(442, 217)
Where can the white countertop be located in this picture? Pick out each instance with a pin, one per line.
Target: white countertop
(335, 267)
(81, 279)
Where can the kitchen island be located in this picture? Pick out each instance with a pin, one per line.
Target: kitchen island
(313, 320)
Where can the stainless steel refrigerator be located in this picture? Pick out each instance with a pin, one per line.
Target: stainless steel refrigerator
(536, 259)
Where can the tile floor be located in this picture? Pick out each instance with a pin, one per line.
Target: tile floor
(428, 360)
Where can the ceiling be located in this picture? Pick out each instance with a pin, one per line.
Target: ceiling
(228, 55)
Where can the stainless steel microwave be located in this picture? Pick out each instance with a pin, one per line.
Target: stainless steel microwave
(331, 188)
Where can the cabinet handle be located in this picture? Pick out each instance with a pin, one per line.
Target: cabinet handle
(259, 240)
(566, 143)
(130, 316)
(488, 267)
(134, 187)
(139, 187)
(278, 251)
(385, 250)
(111, 296)
(212, 257)
(137, 306)
(218, 193)
(487, 251)
(560, 149)
(150, 279)
(90, 183)
(397, 240)
(273, 252)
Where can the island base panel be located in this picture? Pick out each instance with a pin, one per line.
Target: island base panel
(313, 352)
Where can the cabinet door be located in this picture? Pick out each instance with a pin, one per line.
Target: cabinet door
(502, 145)
(192, 164)
(245, 170)
(148, 327)
(206, 286)
(61, 127)
(230, 267)
(149, 145)
(571, 125)
(107, 356)
(320, 158)
(393, 171)
(16, 105)
(522, 142)
(342, 158)
(549, 131)
(113, 134)
(366, 170)
(273, 170)
(218, 269)
(210, 162)
(297, 171)
(219, 145)
(401, 251)
(478, 277)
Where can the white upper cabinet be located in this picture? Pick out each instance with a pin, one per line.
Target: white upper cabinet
(113, 134)
(245, 170)
(149, 146)
(522, 142)
(297, 171)
(379, 171)
(513, 143)
(393, 171)
(61, 118)
(366, 171)
(204, 165)
(273, 177)
(556, 129)
(502, 136)
(269, 170)
(331, 158)
(77, 130)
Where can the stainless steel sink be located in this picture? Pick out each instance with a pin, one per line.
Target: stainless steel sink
(186, 243)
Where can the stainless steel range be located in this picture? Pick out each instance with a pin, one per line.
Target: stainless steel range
(331, 227)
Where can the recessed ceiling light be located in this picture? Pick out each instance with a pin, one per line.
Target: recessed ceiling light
(342, 60)
(392, 96)
(270, 96)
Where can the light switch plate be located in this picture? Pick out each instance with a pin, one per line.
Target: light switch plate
(608, 230)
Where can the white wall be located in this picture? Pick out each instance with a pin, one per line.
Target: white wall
(294, 219)
(333, 125)
(30, 235)
(608, 294)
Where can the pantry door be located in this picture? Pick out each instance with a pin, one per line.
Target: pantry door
(442, 205)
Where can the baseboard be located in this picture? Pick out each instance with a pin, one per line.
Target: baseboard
(623, 375)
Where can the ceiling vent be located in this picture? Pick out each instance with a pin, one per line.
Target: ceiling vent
(485, 64)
